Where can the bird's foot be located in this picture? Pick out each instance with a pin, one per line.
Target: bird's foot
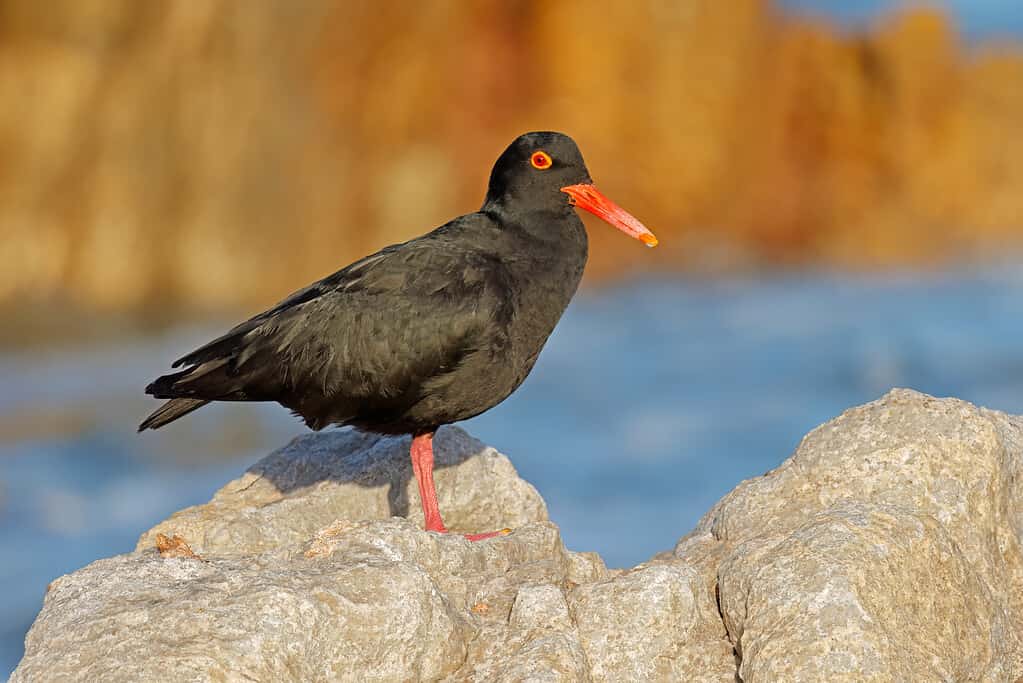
(438, 526)
(422, 465)
(488, 534)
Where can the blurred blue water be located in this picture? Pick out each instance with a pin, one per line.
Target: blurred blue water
(650, 401)
(977, 19)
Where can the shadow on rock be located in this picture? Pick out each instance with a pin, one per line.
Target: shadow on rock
(321, 478)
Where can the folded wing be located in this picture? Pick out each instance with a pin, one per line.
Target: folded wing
(363, 339)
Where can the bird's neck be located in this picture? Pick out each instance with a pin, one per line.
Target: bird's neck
(553, 229)
(548, 251)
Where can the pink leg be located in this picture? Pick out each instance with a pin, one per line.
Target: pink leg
(422, 466)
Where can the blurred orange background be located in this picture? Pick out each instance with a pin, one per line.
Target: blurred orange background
(212, 156)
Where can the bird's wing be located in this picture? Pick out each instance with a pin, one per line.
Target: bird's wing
(373, 329)
(284, 309)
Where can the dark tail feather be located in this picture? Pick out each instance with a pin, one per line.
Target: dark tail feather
(163, 387)
(170, 411)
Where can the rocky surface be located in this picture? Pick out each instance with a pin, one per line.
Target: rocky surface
(886, 548)
(317, 479)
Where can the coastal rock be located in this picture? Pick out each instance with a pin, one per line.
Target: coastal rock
(288, 496)
(888, 547)
(299, 571)
(653, 623)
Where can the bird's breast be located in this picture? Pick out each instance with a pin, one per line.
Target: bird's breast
(547, 289)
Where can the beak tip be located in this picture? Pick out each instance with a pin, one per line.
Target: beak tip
(649, 240)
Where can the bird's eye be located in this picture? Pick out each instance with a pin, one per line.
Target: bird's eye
(540, 160)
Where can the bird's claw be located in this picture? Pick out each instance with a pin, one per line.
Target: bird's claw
(488, 534)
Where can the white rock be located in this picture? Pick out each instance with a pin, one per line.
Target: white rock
(887, 548)
(319, 478)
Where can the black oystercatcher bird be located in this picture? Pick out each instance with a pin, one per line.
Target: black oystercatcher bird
(420, 334)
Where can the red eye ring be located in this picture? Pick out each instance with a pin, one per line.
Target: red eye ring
(541, 160)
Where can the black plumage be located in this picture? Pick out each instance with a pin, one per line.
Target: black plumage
(424, 333)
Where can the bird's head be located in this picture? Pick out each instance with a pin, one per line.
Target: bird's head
(546, 171)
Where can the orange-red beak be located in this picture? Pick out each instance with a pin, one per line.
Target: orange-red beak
(586, 196)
